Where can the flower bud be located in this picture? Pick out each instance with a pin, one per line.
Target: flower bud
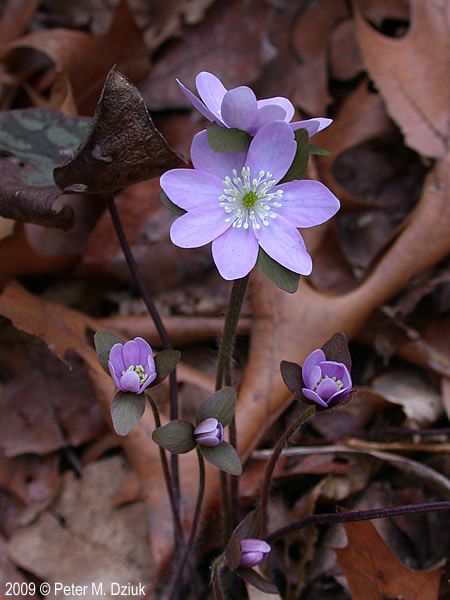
(209, 432)
(253, 552)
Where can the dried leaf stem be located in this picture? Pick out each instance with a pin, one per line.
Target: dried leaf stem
(358, 515)
(275, 455)
(162, 332)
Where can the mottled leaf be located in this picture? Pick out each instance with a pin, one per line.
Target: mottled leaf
(123, 147)
(220, 406)
(126, 410)
(223, 456)
(283, 278)
(300, 163)
(222, 139)
(104, 341)
(177, 436)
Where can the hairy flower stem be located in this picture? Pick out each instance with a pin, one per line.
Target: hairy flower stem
(216, 579)
(173, 593)
(167, 478)
(230, 503)
(265, 491)
(162, 332)
(358, 515)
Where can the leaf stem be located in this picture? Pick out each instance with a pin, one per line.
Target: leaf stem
(358, 515)
(167, 477)
(223, 376)
(195, 525)
(265, 490)
(162, 332)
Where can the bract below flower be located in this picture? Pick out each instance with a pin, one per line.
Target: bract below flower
(239, 107)
(132, 366)
(235, 201)
(326, 382)
(253, 552)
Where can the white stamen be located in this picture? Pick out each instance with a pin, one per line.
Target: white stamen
(242, 216)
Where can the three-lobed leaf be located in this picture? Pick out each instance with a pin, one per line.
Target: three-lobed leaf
(222, 139)
(336, 348)
(104, 341)
(165, 362)
(176, 210)
(299, 165)
(126, 410)
(292, 377)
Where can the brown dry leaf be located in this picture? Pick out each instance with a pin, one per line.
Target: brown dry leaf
(9, 573)
(214, 45)
(15, 17)
(420, 401)
(412, 74)
(87, 58)
(84, 539)
(374, 572)
(300, 34)
(345, 56)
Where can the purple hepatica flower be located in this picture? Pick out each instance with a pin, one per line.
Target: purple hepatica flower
(235, 201)
(132, 366)
(239, 107)
(326, 382)
(253, 552)
(209, 432)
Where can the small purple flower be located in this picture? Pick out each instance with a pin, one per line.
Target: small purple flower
(132, 366)
(239, 107)
(253, 552)
(209, 432)
(326, 382)
(235, 201)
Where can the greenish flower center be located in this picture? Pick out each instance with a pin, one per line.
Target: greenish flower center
(139, 370)
(249, 199)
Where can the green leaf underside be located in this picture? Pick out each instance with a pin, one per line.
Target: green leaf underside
(165, 362)
(319, 151)
(42, 139)
(300, 163)
(250, 526)
(222, 139)
(176, 437)
(223, 456)
(283, 278)
(104, 341)
(126, 410)
(220, 406)
(170, 205)
(256, 580)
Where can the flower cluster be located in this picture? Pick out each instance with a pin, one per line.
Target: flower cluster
(246, 202)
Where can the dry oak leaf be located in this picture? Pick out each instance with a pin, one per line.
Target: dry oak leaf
(87, 58)
(412, 74)
(374, 572)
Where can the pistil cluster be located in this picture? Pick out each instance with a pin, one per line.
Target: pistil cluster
(249, 202)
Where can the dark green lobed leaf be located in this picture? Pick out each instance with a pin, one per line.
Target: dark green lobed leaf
(104, 341)
(283, 278)
(126, 410)
(222, 139)
(177, 436)
(220, 405)
(224, 457)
